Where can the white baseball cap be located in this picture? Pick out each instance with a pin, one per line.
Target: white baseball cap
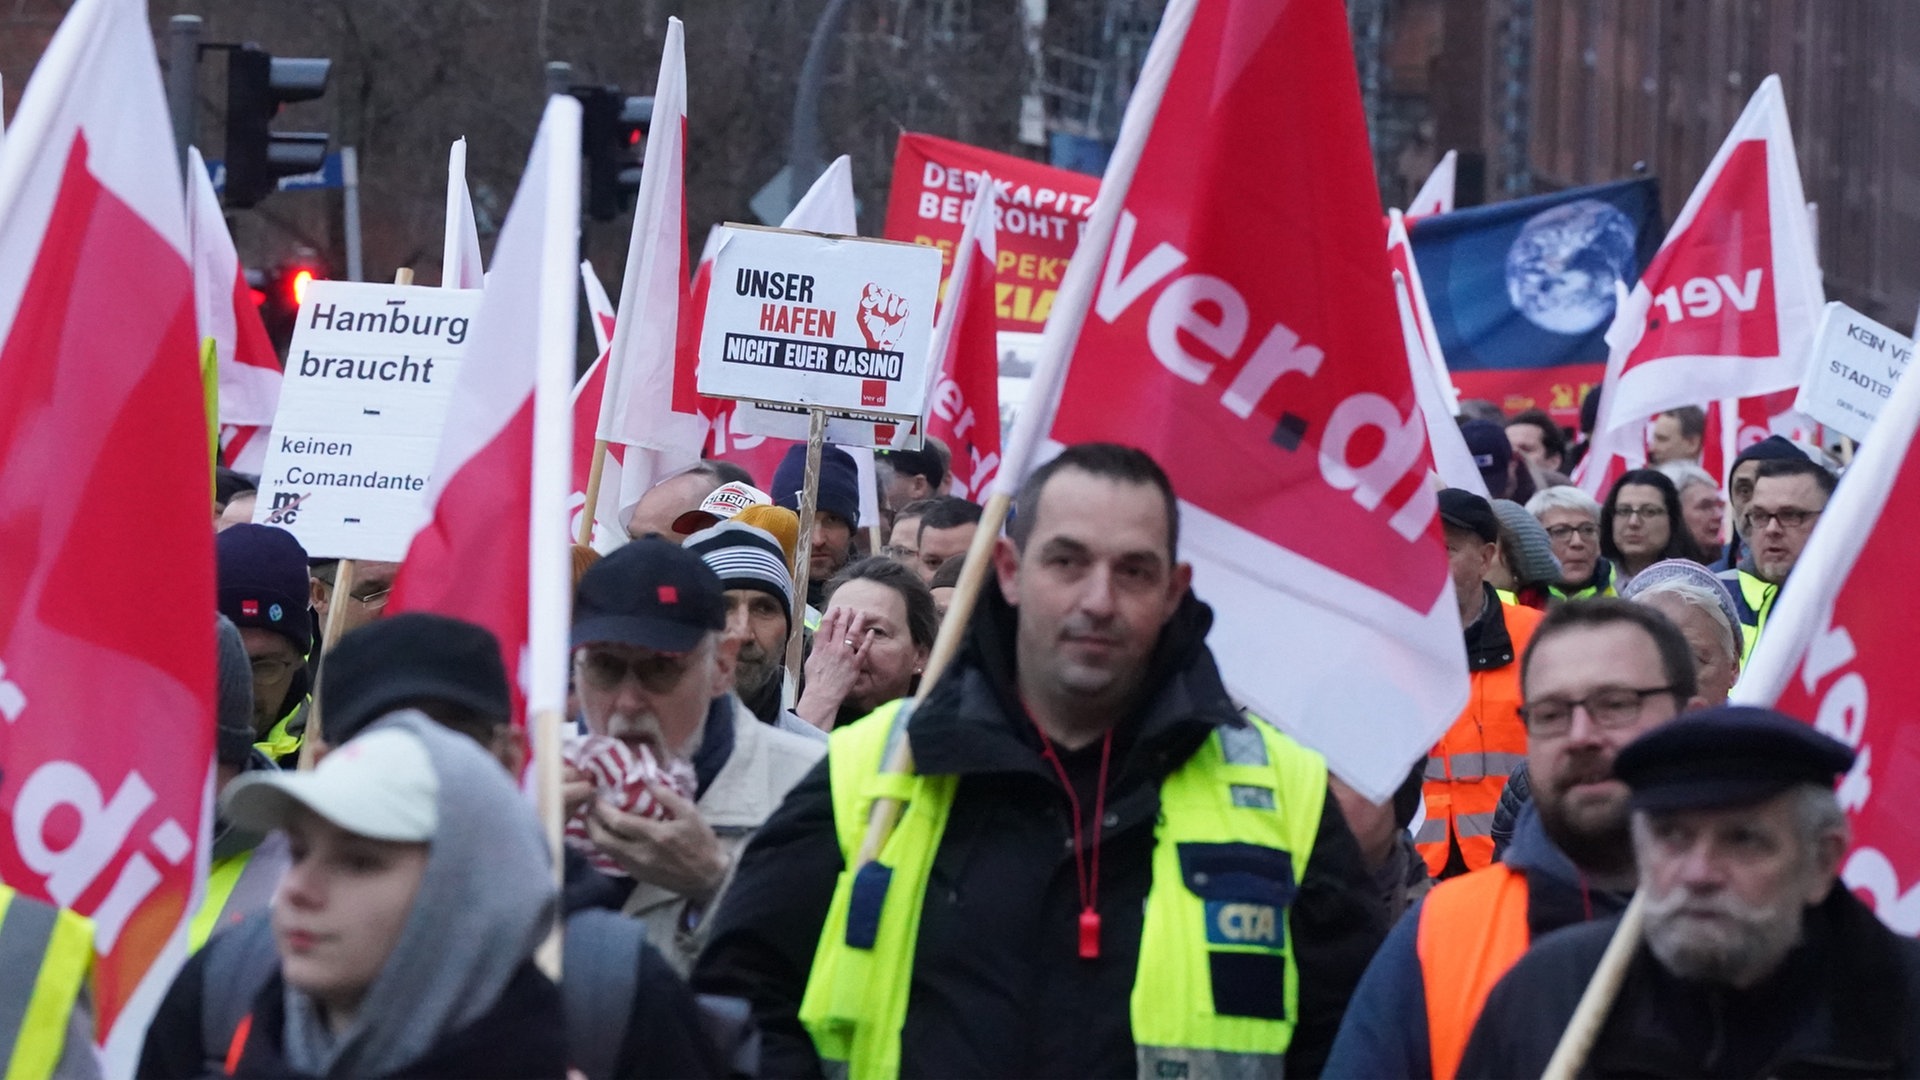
(725, 501)
(379, 785)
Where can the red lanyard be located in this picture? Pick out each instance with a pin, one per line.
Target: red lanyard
(1088, 877)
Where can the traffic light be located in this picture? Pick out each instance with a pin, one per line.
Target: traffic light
(280, 292)
(613, 139)
(258, 83)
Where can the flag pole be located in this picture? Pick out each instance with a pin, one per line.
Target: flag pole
(585, 539)
(803, 553)
(1598, 999)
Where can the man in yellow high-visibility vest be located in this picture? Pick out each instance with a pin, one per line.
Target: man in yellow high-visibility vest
(1104, 867)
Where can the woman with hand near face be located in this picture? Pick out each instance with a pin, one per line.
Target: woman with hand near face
(872, 644)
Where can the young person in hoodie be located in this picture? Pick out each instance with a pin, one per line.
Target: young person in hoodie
(405, 927)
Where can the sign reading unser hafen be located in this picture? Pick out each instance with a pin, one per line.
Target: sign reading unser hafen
(830, 322)
(368, 379)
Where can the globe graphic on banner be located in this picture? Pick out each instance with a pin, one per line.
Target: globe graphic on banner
(1562, 267)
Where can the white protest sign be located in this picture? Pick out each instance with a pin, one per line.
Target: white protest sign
(369, 375)
(831, 322)
(1855, 364)
(873, 430)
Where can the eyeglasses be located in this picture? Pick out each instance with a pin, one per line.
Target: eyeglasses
(1790, 518)
(1613, 707)
(658, 672)
(270, 668)
(1644, 513)
(900, 554)
(1562, 533)
(377, 598)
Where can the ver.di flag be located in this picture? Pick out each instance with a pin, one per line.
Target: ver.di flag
(229, 322)
(964, 409)
(1728, 306)
(1245, 334)
(106, 703)
(492, 553)
(1838, 653)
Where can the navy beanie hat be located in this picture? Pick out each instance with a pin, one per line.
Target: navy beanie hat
(263, 582)
(839, 482)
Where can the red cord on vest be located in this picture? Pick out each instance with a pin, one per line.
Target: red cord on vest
(1088, 879)
(237, 1049)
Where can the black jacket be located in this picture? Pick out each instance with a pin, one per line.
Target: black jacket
(1842, 1004)
(998, 987)
(523, 1035)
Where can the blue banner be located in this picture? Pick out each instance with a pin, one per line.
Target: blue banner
(1522, 292)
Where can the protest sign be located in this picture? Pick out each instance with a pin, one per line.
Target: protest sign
(1856, 364)
(823, 322)
(1038, 217)
(368, 378)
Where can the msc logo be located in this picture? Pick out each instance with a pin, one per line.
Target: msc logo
(1244, 924)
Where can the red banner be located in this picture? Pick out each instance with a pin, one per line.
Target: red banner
(1038, 220)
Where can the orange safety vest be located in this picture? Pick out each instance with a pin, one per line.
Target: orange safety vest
(1472, 929)
(1469, 767)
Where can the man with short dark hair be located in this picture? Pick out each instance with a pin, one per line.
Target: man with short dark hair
(1755, 959)
(1740, 489)
(1537, 440)
(263, 588)
(903, 540)
(1083, 724)
(913, 475)
(1598, 673)
(1788, 497)
(946, 532)
(1469, 765)
(1678, 435)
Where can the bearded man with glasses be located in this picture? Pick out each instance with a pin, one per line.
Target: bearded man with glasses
(1788, 497)
(1597, 674)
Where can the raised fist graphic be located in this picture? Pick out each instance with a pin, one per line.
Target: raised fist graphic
(883, 316)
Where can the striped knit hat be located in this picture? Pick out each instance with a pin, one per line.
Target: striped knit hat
(745, 557)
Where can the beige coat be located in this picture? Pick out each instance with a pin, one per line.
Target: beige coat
(766, 763)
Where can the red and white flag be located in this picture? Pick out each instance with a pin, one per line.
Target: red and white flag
(491, 553)
(1728, 306)
(964, 409)
(1231, 304)
(1452, 461)
(608, 533)
(225, 312)
(1838, 653)
(106, 704)
(1436, 195)
(658, 421)
(460, 265)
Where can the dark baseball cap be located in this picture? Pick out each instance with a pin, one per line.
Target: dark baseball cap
(408, 658)
(1464, 510)
(651, 593)
(1491, 450)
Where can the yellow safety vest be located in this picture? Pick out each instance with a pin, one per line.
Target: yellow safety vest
(1249, 799)
(281, 743)
(58, 944)
(238, 886)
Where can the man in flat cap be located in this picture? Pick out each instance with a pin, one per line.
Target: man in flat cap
(1754, 962)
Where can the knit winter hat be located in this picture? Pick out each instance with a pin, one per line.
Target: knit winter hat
(1672, 571)
(233, 696)
(1771, 448)
(404, 659)
(263, 581)
(1533, 563)
(777, 521)
(839, 483)
(745, 558)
